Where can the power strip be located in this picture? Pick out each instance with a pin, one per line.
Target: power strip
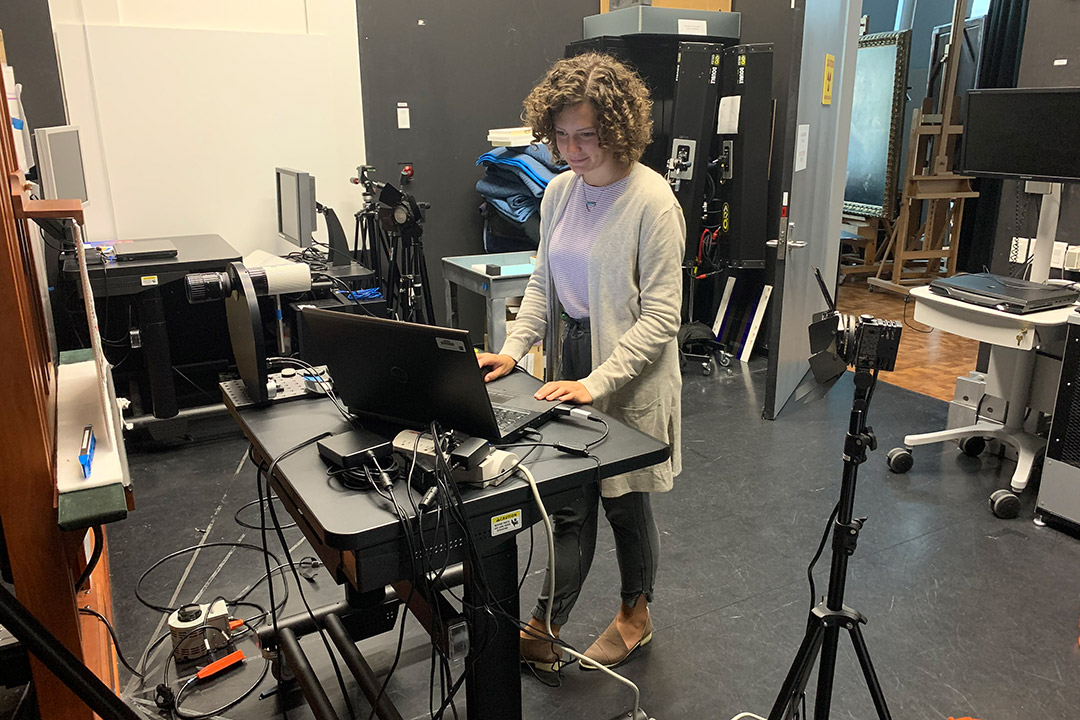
(490, 470)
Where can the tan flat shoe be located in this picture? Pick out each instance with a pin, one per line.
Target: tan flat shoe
(541, 654)
(610, 649)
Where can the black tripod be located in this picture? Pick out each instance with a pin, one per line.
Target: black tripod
(368, 242)
(828, 618)
(408, 289)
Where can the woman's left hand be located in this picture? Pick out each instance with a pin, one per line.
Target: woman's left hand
(568, 391)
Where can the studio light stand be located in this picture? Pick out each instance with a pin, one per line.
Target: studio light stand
(831, 616)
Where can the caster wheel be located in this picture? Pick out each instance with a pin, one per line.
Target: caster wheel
(706, 369)
(869, 288)
(1004, 504)
(900, 460)
(724, 359)
(972, 446)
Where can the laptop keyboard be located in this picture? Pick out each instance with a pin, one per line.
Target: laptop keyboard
(507, 418)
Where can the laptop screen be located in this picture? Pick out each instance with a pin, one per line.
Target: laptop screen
(409, 373)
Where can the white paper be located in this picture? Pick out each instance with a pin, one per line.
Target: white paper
(1061, 61)
(802, 147)
(403, 116)
(727, 121)
(693, 27)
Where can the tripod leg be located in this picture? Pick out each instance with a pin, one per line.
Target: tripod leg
(799, 673)
(872, 683)
(826, 671)
(425, 285)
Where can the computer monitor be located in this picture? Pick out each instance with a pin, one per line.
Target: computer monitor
(60, 163)
(1022, 134)
(295, 205)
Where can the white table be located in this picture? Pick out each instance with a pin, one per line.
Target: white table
(1013, 340)
(459, 272)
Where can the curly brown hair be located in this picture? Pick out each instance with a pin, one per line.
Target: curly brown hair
(618, 96)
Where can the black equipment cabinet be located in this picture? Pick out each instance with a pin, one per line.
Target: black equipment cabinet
(740, 208)
(1059, 491)
(693, 134)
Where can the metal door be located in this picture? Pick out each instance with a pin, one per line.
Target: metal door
(809, 236)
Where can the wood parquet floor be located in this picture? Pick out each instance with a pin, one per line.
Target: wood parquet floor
(928, 362)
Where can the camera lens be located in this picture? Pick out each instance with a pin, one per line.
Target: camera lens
(205, 287)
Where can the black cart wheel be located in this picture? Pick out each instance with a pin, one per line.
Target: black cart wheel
(900, 460)
(972, 446)
(1004, 504)
(723, 358)
(706, 368)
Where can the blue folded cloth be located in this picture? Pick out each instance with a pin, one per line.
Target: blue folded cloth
(499, 183)
(532, 164)
(516, 207)
(540, 152)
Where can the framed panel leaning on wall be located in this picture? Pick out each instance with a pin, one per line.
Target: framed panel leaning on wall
(876, 123)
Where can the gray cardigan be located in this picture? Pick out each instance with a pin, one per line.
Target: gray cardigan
(635, 299)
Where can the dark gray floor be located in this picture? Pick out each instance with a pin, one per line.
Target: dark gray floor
(969, 615)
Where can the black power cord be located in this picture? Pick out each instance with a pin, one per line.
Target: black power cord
(263, 507)
(115, 640)
(92, 561)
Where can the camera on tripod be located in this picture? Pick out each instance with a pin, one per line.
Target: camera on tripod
(837, 341)
(388, 240)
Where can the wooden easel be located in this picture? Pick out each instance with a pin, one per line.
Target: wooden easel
(44, 560)
(921, 251)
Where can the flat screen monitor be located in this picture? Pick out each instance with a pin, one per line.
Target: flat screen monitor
(295, 205)
(1022, 134)
(60, 163)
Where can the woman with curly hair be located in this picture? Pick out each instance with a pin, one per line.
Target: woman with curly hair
(608, 286)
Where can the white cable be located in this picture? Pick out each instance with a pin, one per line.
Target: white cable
(551, 594)
(749, 715)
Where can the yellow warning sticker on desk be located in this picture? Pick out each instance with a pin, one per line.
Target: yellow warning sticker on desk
(507, 522)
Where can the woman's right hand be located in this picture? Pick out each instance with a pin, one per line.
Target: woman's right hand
(500, 365)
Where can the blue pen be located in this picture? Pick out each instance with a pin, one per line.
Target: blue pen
(86, 452)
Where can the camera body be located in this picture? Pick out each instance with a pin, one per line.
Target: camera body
(872, 345)
(864, 342)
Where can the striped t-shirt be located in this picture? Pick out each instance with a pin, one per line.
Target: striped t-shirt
(572, 241)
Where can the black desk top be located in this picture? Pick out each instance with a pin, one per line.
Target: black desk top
(194, 253)
(352, 520)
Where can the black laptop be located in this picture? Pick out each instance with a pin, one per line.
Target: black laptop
(131, 250)
(1007, 294)
(414, 374)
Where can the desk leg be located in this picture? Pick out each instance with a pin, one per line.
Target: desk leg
(493, 680)
(496, 324)
(451, 303)
(155, 342)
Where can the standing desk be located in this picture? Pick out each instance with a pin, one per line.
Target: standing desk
(1013, 339)
(362, 543)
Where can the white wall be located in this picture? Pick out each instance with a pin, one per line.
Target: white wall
(186, 108)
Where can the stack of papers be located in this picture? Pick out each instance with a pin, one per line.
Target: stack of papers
(510, 137)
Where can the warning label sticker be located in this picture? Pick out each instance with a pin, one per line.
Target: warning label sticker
(507, 522)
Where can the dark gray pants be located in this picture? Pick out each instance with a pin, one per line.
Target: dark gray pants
(637, 542)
